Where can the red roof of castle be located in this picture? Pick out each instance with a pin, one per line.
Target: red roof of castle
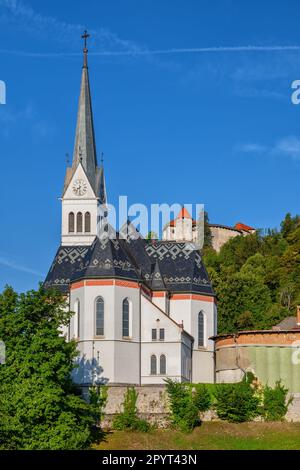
(240, 226)
(183, 214)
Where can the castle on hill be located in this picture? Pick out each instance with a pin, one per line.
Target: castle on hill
(185, 228)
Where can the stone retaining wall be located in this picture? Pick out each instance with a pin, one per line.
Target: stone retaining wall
(152, 405)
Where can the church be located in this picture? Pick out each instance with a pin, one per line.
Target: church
(144, 310)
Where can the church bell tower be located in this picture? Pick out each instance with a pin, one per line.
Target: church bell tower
(84, 194)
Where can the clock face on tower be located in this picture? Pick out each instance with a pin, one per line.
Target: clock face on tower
(79, 187)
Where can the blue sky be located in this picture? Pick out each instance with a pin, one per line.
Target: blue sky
(191, 104)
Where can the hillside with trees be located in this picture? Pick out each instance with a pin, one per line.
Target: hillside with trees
(257, 278)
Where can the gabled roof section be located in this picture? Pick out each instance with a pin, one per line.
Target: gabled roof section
(106, 259)
(157, 281)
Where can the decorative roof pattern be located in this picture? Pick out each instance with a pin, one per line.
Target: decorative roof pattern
(171, 250)
(66, 261)
(171, 266)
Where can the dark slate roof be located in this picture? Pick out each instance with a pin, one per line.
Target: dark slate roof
(181, 266)
(67, 260)
(106, 258)
(172, 266)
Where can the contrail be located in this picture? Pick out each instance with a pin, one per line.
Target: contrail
(11, 264)
(146, 52)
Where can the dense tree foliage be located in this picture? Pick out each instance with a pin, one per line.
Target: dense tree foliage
(40, 408)
(257, 277)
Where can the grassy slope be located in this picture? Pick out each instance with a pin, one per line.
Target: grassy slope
(210, 436)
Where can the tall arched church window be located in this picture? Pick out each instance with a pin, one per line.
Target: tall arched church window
(153, 365)
(200, 329)
(79, 222)
(162, 365)
(100, 317)
(71, 222)
(87, 222)
(125, 319)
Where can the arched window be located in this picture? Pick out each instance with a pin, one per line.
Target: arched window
(87, 222)
(153, 366)
(71, 222)
(125, 319)
(99, 317)
(163, 365)
(200, 330)
(79, 222)
(77, 319)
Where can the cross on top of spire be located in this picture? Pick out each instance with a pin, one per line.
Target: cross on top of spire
(85, 37)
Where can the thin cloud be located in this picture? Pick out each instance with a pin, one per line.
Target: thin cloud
(137, 51)
(286, 147)
(17, 267)
(107, 42)
(251, 148)
(18, 13)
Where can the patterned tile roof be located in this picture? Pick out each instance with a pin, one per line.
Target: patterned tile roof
(176, 267)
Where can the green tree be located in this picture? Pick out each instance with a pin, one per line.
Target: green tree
(40, 407)
(257, 278)
(152, 236)
(207, 233)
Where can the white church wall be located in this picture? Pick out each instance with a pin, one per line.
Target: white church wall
(127, 352)
(153, 318)
(180, 311)
(160, 299)
(203, 357)
(185, 308)
(110, 354)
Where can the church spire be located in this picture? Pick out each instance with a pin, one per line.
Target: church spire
(102, 185)
(85, 144)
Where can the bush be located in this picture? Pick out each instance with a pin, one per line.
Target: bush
(275, 403)
(202, 398)
(236, 402)
(184, 411)
(129, 419)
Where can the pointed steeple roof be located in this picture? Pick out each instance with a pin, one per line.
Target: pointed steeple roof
(102, 185)
(184, 214)
(85, 144)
